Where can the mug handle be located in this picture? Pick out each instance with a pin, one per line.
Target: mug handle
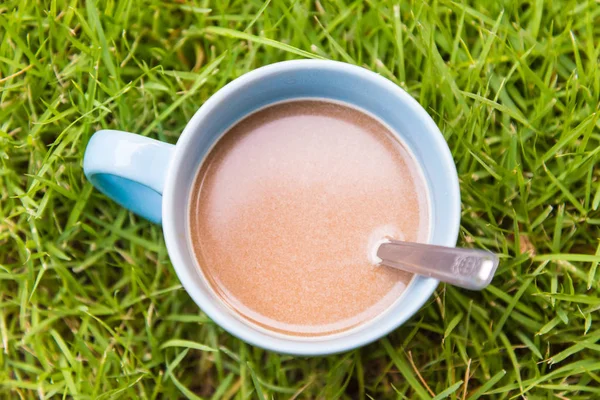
(130, 169)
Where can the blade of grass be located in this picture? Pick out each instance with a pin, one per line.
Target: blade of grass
(400, 363)
(260, 40)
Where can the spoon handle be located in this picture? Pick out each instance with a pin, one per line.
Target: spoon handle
(467, 268)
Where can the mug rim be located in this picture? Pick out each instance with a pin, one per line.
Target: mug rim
(288, 345)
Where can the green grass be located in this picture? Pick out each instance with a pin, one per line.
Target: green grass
(90, 306)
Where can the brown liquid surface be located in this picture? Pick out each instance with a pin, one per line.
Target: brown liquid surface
(286, 207)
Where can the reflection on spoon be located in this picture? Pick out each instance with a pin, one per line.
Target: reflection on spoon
(467, 268)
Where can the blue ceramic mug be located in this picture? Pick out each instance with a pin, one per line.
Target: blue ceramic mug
(154, 179)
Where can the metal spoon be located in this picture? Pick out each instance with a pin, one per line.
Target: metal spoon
(467, 268)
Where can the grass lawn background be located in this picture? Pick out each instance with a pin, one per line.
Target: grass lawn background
(89, 304)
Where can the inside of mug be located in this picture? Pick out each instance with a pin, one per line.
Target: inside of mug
(340, 82)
